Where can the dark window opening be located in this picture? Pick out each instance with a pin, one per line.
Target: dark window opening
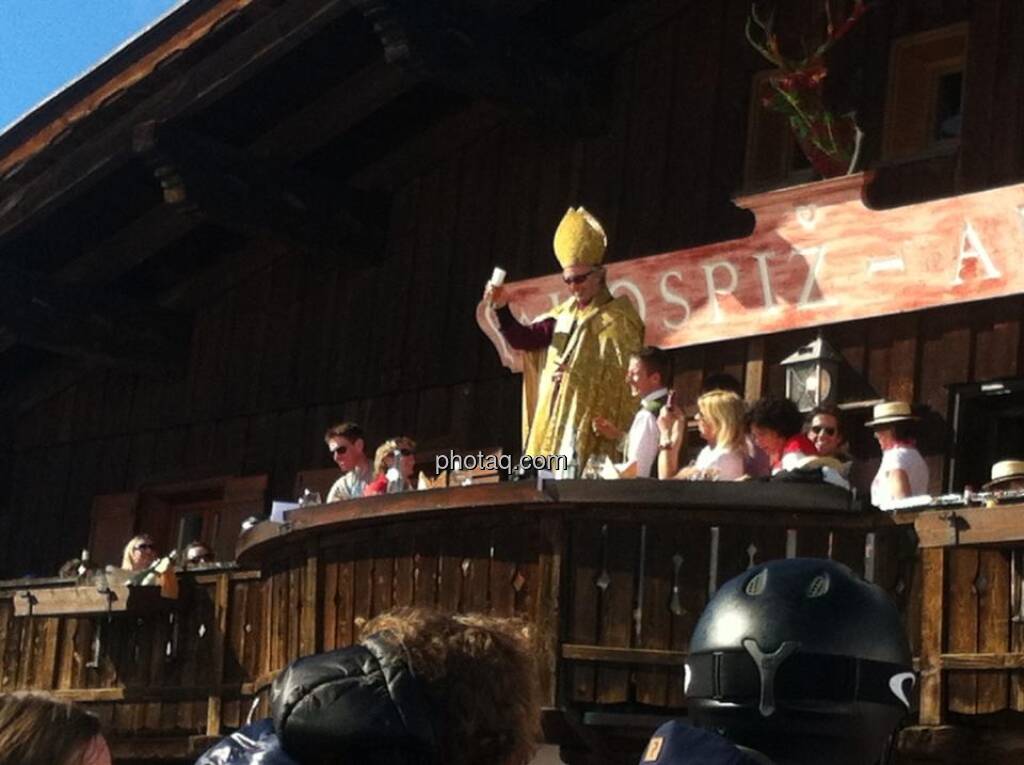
(190, 528)
(948, 106)
(988, 426)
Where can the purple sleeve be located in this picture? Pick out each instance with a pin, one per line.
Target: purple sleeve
(524, 337)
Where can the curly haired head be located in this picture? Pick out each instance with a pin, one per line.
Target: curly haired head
(481, 673)
(777, 414)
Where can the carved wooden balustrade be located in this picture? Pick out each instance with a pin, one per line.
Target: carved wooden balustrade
(613, 574)
(162, 679)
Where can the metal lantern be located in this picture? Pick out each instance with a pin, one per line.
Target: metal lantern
(811, 375)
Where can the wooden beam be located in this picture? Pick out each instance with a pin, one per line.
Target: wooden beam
(933, 564)
(624, 27)
(334, 112)
(609, 655)
(130, 246)
(100, 329)
(215, 700)
(982, 661)
(237, 191)
(491, 59)
(233, 63)
(150, 693)
(404, 163)
(302, 133)
(115, 86)
(998, 525)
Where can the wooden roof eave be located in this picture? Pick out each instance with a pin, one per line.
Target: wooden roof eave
(77, 167)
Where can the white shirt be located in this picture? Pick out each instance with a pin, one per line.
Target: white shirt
(350, 485)
(642, 441)
(907, 459)
(727, 463)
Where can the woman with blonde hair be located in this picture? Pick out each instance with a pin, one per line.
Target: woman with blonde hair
(139, 553)
(384, 460)
(38, 730)
(720, 419)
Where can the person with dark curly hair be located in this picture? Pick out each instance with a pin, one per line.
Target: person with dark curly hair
(777, 427)
(38, 730)
(420, 687)
(480, 676)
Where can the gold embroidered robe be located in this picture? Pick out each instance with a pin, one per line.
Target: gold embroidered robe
(595, 344)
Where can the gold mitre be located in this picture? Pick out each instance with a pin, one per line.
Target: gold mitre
(579, 239)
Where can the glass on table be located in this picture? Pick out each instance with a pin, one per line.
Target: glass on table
(592, 469)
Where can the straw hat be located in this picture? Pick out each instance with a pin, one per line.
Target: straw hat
(890, 411)
(1004, 471)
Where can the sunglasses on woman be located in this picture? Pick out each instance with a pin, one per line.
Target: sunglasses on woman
(817, 429)
(145, 547)
(406, 452)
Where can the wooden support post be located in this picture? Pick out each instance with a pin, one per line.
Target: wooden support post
(220, 612)
(754, 384)
(933, 562)
(309, 629)
(547, 616)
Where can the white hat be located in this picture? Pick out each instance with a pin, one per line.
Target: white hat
(1005, 470)
(890, 411)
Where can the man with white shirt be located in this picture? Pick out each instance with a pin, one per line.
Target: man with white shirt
(348, 450)
(649, 375)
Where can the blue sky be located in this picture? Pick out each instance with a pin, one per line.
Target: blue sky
(45, 44)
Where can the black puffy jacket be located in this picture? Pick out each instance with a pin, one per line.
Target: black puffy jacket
(356, 706)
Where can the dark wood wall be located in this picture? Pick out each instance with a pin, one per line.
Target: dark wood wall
(291, 348)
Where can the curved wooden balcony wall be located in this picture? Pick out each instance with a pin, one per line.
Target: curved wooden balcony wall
(614, 575)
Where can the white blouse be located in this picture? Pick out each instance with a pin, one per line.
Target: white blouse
(727, 463)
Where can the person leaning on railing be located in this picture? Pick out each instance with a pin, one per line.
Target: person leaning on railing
(38, 730)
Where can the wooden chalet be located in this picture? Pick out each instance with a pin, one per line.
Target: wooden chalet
(261, 217)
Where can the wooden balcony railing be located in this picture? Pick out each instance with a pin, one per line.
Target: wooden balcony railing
(613, 575)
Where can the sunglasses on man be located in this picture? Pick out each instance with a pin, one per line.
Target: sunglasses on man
(337, 450)
(579, 279)
(818, 429)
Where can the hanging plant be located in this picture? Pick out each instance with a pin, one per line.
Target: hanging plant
(831, 142)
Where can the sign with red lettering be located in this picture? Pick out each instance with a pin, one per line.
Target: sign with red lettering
(817, 256)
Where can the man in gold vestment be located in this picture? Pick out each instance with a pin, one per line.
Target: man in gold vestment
(578, 352)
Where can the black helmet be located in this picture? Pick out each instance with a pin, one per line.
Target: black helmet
(803, 661)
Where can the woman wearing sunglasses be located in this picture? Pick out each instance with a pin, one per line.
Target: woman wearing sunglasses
(384, 461)
(139, 553)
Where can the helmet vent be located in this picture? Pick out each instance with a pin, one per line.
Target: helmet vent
(757, 583)
(819, 586)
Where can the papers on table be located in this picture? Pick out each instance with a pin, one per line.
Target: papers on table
(279, 510)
